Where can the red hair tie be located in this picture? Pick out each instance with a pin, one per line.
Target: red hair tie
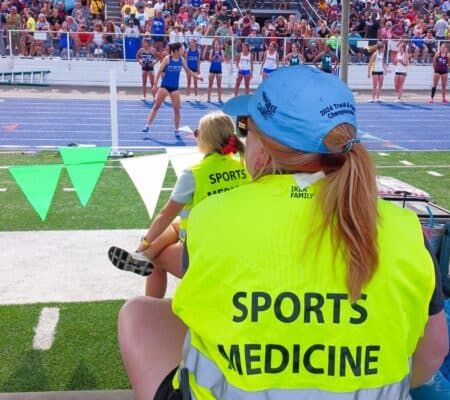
(230, 147)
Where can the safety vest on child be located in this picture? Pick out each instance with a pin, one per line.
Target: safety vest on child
(267, 306)
(215, 174)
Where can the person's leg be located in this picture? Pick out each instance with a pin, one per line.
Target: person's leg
(374, 87)
(436, 78)
(401, 83)
(380, 85)
(444, 79)
(144, 84)
(176, 104)
(188, 85)
(159, 99)
(151, 340)
(219, 87)
(237, 84)
(151, 77)
(210, 84)
(170, 260)
(196, 88)
(247, 84)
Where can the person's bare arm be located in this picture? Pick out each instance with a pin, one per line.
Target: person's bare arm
(195, 75)
(163, 220)
(431, 350)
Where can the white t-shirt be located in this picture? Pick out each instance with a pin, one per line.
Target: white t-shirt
(158, 7)
(183, 192)
(399, 67)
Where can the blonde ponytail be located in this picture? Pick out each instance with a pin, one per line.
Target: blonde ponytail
(348, 199)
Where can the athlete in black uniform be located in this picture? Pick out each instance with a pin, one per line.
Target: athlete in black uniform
(146, 56)
(441, 62)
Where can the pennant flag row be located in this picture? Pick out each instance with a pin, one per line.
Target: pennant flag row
(38, 182)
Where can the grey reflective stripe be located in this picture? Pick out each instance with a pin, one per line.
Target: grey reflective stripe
(208, 375)
(185, 213)
(182, 234)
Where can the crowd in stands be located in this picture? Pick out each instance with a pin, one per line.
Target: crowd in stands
(79, 27)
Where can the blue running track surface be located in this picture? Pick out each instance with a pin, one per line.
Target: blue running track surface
(43, 123)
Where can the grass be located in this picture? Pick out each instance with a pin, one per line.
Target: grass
(85, 354)
(437, 187)
(115, 203)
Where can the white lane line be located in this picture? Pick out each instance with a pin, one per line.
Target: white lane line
(434, 173)
(46, 328)
(383, 154)
(166, 189)
(3, 189)
(69, 190)
(408, 163)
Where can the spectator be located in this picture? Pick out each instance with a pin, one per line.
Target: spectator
(98, 40)
(79, 7)
(372, 27)
(98, 9)
(149, 10)
(13, 22)
(83, 41)
(441, 27)
(3, 14)
(132, 30)
(141, 17)
(129, 4)
(176, 35)
(311, 52)
(158, 29)
(256, 45)
(158, 6)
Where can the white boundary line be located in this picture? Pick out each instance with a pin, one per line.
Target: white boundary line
(46, 328)
(405, 162)
(434, 173)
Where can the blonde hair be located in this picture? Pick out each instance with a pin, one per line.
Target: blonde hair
(215, 130)
(348, 199)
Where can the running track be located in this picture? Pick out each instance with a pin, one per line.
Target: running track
(43, 123)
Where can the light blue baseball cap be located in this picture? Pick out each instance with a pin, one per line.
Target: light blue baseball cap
(298, 106)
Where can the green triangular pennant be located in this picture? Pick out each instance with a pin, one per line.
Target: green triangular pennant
(38, 183)
(84, 166)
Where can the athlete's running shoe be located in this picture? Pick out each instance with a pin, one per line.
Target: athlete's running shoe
(132, 262)
(445, 101)
(146, 129)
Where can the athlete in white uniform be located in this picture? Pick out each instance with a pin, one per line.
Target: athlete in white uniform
(401, 62)
(244, 66)
(377, 68)
(270, 60)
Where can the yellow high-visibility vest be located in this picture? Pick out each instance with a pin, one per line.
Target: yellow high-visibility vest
(267, 306)
(215, 174)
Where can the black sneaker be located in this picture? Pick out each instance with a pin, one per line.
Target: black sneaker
(133, 262)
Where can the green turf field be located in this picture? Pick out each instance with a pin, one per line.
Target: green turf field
(85, 353)
(116, 204)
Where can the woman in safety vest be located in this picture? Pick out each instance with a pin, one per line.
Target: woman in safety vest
(302, 284)
(161, 248)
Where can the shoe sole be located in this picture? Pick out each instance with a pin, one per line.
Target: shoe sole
(125, 261)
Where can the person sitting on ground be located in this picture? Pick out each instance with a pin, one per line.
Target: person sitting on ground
(297, 286)
(161, 249)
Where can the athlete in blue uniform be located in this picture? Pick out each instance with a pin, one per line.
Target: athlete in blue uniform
(193, 63)
(171, 67)
(147, 58)
(215, 69)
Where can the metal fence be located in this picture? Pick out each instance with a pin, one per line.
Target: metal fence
(124, 45)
